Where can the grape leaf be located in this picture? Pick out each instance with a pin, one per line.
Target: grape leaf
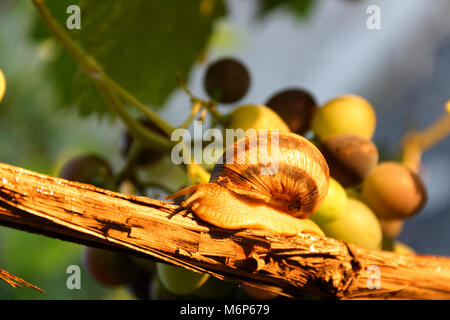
(142, 45)
(301, 8)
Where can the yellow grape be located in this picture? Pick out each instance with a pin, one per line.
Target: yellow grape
(333, 206)
(346, 114)
(357, 225)
(256, 117)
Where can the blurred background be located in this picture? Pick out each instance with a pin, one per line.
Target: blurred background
(403, 69)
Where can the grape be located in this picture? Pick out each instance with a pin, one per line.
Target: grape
(89, 169)
(108, 268)
(391, 228)
(2, 85)
(346, 114)
(227, 80)
(333, 206)
(147, 156)
(350, 158)
(256, 117)
(393, 191)
(179, 280)
(357, 225)
(296, 107)
(157, 291)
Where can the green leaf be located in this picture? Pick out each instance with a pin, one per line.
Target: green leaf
(301, 8)
(142, 44)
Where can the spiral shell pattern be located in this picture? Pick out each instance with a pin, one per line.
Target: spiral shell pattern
(282, 169)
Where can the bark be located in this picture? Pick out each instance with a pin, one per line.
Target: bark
(291, 266)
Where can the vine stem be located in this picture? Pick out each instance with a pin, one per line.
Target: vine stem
(194, 111)
(416, 143)
(210, 105)
(111, 91)
(95, 71)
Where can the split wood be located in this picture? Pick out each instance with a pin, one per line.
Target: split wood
(157, 230)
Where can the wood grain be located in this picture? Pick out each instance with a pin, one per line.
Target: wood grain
(291, 266)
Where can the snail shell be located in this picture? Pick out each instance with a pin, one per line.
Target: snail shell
(263, 182)
(289, 173)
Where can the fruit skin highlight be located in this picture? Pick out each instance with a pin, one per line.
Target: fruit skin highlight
(393, 191)
(333, 206)
(345, 114)
(357, 225)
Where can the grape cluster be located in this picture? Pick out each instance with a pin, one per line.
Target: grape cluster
(366, 204)
(367, 200)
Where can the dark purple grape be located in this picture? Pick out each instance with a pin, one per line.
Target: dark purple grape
(89, 169)
(147, 156)
(227, 80)
(110, 269)
(296, 107)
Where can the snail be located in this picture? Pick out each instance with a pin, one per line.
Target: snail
(263, 181)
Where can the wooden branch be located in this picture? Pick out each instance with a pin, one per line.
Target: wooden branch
(291, 266)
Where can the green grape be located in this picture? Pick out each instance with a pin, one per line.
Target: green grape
(393, 191)
(350, 158)
(346, 114)
(108, 268)
(333, 206)
(179, 280)
(89, 169)
(256, 117)
(227, 80)
(296, 107)
(157, 291)
(357, 225)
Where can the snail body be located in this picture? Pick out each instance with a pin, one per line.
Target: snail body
(272, 182)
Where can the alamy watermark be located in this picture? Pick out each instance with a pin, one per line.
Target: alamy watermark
(259, 147)
(373, 21)
(374, 280)
(74, 280)
(74, 20)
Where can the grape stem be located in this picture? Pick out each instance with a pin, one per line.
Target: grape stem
(416, 143)
(112, 92)
(196, 107)
(209, 105)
